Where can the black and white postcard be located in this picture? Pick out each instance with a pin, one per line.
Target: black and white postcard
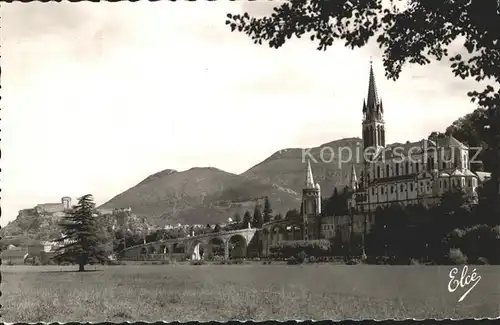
(250, 160)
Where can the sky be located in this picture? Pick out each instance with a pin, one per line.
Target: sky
(97, 96)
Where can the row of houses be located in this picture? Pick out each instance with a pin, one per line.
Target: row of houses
(30, 252)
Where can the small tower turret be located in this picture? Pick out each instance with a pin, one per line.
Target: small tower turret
(311, 206)
(66, 202)
(319, 198)
(354, 179)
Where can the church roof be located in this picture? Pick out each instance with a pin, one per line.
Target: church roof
(448, 141)
(456, 172)
(467, 172)
(393, 179)
(396, 150)
(483, 176)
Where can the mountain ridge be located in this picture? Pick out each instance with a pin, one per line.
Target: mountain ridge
(209, 194)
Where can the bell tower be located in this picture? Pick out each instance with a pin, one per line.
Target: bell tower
(373, 119)
(311, 206)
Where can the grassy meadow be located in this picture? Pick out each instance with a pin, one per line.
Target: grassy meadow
(243, 292)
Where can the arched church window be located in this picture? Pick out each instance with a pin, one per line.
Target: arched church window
(378, 171)
(407, 168)
(386, 170)
(397, 169)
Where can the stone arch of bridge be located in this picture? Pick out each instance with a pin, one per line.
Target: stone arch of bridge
(236, 246)
(216, 246)
(163, 249)
(196, 249)
(178, 248)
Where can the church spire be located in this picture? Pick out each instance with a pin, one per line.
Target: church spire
(372, 99)
(373, 125)
(309, 176)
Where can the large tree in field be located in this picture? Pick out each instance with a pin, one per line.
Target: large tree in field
(407, 31)
(83, 245)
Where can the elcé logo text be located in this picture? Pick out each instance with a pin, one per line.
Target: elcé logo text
(466, 281)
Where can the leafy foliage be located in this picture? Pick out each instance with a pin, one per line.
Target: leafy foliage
(336, 204)
(292, 214)
(457, 257)
(81, 232)
(407, 31)
(237, 217)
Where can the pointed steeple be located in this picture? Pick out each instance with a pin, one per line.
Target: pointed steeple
(309, 176)
(372, 99)
(354, 178)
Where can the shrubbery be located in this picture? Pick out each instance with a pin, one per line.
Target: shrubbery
(286, 249)
(457, 257)
(479, 244)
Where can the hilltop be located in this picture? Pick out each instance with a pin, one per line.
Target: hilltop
(203, 195)
(209, 195)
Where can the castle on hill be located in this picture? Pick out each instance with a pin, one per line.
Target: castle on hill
(50, 209)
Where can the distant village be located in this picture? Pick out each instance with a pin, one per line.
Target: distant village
(21, 249)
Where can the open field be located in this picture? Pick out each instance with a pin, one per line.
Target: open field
(225, 292)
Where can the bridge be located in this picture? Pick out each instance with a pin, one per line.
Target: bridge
(193, 247)
(234, 243)
(279, 230)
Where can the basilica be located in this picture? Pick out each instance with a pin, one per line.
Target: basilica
(410, 173)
